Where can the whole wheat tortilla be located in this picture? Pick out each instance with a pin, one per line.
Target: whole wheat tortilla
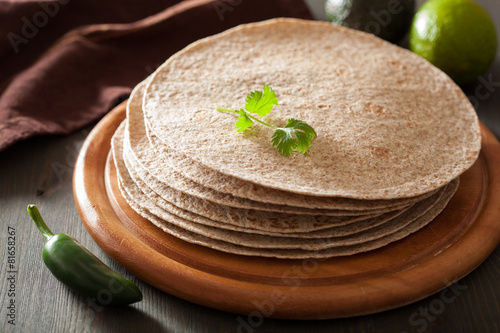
(249, 239)
(172, 186)
(242, 189)
(229, 247)
(246, 218)
(353, 233)
(389, 124)
(278, 225)
(198, 239)
(310, 244)
(200, 211)
(169, 167)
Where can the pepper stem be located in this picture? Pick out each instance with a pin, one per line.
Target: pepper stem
(40, 223)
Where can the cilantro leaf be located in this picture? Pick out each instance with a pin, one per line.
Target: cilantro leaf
(261, 103)
(243, 121)
(295, 135)
(285, 142)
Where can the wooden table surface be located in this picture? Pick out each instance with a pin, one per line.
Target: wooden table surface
(39, 171)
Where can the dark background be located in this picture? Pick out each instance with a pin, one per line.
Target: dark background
(39, 170)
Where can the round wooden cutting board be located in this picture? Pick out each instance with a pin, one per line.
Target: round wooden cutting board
(450, 247)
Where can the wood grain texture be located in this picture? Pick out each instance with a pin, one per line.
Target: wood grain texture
(403, 272)
(39, 171)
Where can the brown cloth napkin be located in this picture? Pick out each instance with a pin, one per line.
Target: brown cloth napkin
(65, 63)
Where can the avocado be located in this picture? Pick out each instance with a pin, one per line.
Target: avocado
(387, 19)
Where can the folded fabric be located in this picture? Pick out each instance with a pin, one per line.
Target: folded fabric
(65, 63)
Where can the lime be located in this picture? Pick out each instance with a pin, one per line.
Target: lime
(387, 19)
(457, 36)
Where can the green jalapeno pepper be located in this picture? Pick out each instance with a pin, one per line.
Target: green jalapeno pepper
(80, 270)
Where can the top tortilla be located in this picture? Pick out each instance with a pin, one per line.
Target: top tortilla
(390, 125)
(176, 171)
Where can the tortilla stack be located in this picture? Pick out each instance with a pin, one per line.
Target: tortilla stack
(394, 135)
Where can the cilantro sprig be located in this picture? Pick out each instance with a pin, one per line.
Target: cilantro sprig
(295, 135)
